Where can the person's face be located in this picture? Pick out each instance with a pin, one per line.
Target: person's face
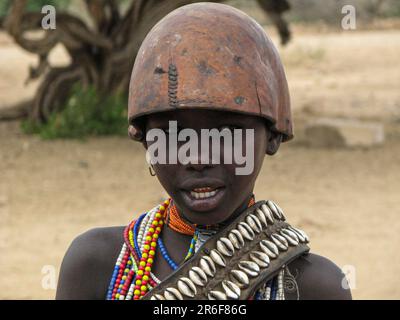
(208, 194)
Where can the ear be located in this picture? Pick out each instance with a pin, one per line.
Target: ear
(274, 141)
(135, 133)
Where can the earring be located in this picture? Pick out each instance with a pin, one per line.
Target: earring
(151, 170)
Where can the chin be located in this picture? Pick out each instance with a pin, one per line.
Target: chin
(204, 219)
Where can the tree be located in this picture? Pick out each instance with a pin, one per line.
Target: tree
(102, 55)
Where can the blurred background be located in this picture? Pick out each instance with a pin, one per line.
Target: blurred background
(67, 165)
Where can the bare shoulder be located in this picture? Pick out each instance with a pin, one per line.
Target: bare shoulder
(88, 264)
(318, 278)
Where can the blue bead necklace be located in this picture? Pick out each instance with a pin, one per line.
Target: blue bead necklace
(166, 256)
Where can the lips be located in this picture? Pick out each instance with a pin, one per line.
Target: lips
(204, 192)
(203, 195)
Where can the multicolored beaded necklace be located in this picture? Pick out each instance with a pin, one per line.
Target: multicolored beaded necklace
(132, 277)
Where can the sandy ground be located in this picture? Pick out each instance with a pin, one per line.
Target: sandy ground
(347, 200)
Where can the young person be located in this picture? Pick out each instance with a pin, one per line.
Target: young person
(207, 87)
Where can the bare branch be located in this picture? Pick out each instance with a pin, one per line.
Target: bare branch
(14, 18)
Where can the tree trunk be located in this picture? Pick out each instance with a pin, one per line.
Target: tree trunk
(102, 56)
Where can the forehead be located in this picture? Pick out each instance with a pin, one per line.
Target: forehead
(193, 118)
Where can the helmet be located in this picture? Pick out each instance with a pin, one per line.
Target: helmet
(211, 56)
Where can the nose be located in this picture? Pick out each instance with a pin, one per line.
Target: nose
(199, 161)
(198, 166)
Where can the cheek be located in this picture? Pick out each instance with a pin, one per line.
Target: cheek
(166, 175)
(253, 150)
(260, 149)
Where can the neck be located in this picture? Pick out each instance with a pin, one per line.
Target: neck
(237, 212)
(248, 201)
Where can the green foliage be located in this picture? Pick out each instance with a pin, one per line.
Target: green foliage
(37, 5)
(4, 6)
(85, 114)
(34, 5)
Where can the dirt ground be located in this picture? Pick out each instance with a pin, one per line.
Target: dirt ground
(346, 199)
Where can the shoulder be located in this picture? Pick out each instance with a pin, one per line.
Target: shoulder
(88, 264)
(318, 278)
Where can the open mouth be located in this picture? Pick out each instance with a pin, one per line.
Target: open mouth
(204, 192)
(203, 196)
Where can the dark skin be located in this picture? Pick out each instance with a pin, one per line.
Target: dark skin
(88, 264)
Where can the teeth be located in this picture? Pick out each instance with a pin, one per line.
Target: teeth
(204, 189)
(203, 194)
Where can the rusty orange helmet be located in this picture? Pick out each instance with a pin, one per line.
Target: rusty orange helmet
(212, 56)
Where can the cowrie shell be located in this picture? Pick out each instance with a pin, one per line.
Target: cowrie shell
(216, 295)
(157, 297)
(208, 266)
(260, 258)
(246, 231)
(280, 241)
(225, 246)
(280, 212)
(267, 212)
(261, 216)
(274, 209)
(250, 267)
(254, 223)
(172, 294)
(187, 287)
(232, 291)
(217, 258)
(198, 276)
(269, 248)
(240, 278)
(236, 238)
(302, 233)
(290, 237)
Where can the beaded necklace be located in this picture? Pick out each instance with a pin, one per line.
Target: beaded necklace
(166, 256)
(176, 223)
(132, 277)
